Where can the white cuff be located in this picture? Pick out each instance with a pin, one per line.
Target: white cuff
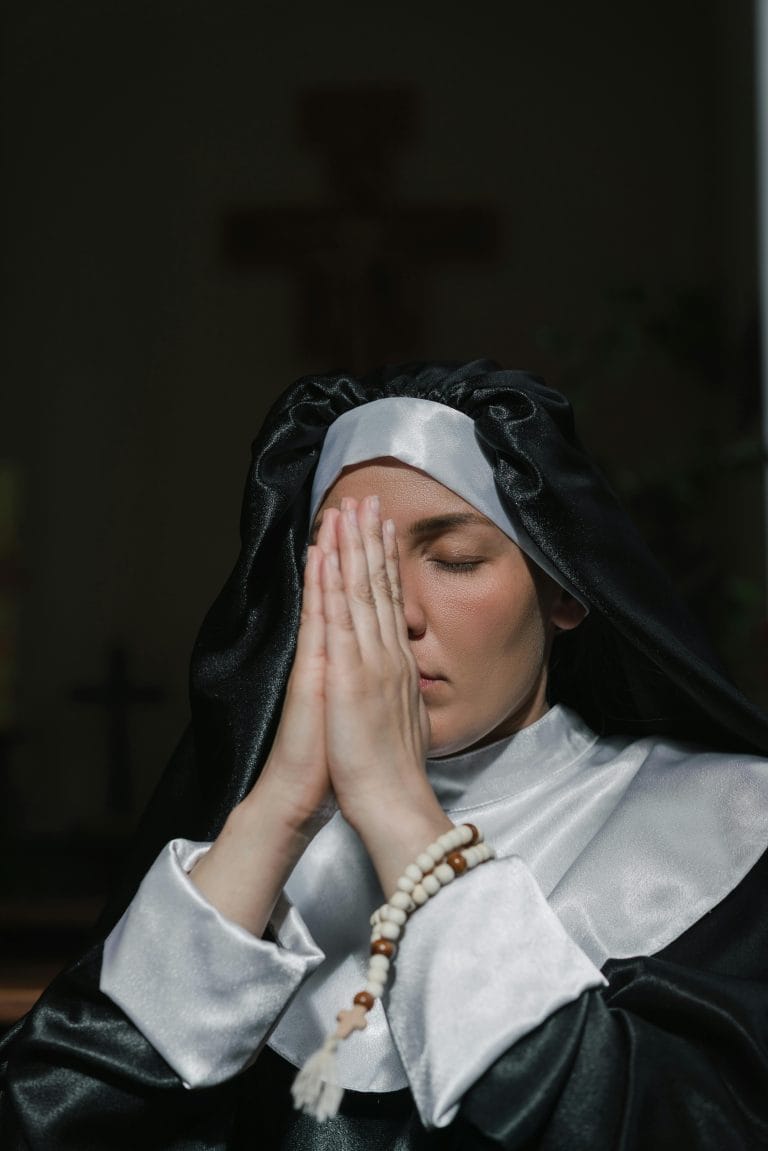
(478, 967)
(203, 990)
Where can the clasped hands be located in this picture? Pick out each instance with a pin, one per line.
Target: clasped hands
(353, 727)
(354, 722)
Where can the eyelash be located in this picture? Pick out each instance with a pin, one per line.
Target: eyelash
(457, 566)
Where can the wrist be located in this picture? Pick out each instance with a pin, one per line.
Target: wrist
(395, 835)
(247, 865)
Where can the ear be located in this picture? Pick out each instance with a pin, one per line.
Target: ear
(567, 613)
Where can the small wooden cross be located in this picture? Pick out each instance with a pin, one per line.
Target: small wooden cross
(351, 1020)
(359, 254)
(117, 694)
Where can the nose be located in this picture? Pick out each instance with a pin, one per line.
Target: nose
(414, 607)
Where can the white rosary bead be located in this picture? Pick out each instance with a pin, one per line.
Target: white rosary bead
(419, 895)
(405, 884)
(445, 873)
(471, 857)
(436, 852)
(389, 930)
(376, 975)
(378, 963)
(454, 839)
(393, 915)
(374, 989)
(414, 872)
(431, 884)
(401, 900)
(425, 861)
(465, 835)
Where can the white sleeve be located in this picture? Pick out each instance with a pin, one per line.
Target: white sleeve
(203, 990)
(478, 967)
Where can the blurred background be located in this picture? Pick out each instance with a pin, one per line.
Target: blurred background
(203, 201)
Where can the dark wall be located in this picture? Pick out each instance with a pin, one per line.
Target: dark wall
(613, 151)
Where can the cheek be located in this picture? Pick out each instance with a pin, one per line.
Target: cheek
(492, 624)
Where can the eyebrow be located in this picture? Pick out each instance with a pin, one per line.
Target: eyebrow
(436, 525)
(432, 525)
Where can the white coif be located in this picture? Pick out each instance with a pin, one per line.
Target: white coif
(439, 441)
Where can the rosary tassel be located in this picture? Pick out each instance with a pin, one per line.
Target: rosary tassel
(315, 1089)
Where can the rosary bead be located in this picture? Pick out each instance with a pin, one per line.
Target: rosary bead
(405, 884)
(413, 872)
(374, 989)
(431, 884)
(378, 962)
(425, 861)
(394, 915)
(383, 947)
(476, 836)
(419, 895)
(436, 852)
(401, 900)
(364, 999)
(390, 930)
(444, 873)
(457, 862)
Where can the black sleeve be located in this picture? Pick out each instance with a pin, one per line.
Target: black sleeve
(78, 1076)
(672, 1054)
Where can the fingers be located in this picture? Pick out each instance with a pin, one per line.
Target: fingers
(341, 637)
(357, 577)
(312, 625)
(308, 664)
(363, 594)
(380, 570)
(392, 562)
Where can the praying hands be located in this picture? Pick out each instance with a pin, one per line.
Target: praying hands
(353, 725)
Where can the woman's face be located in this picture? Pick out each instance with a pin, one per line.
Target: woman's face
(480, 615)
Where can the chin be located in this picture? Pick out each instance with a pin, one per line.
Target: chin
(454, 743)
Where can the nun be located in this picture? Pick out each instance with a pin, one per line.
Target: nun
(465, 844)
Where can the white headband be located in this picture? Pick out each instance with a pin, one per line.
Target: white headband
(432, 437)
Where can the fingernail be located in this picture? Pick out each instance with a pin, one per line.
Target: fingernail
(389, 527)
(375, 504)
(350, 514)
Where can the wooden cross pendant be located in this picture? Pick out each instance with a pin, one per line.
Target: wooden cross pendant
(351, 1020)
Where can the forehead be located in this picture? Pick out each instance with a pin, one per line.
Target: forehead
(403, 490)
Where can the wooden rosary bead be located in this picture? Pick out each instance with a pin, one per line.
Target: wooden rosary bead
(364, 999)
(475, 833)
(457, 861)
(383, 947)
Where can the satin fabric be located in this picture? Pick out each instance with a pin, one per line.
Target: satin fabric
(207, 997)
(630, 841)
(172, 941)
(433, 438)
(672, 1054)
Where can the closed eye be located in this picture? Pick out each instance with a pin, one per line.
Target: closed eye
(457, 565)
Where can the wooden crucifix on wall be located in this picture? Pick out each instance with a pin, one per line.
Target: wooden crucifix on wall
(360, 255)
